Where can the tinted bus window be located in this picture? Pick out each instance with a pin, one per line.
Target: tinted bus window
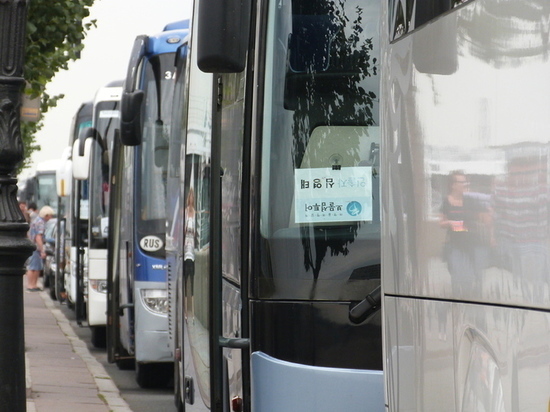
(320, 166)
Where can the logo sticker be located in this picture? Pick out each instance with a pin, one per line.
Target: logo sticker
(151, 243)
(354, 208)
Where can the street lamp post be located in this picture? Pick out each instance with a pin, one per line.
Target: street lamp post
(15, 248)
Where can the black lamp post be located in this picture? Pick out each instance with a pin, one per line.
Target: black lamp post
(15, 248)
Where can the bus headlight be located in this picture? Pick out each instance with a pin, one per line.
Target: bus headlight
(156, 300)
(98, 285)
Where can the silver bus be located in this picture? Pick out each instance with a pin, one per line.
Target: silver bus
(465, 240)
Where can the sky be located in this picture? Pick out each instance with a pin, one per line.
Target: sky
(104, 59)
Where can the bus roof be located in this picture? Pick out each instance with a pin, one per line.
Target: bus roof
(167, 41)
(47, 166)
(177, 25)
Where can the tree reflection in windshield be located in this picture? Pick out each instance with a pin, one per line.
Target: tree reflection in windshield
(330, 61)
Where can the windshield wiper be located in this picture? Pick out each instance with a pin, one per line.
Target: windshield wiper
(367, 307)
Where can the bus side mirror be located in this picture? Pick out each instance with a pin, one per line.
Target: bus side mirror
(130, 117)
(82, 151)
(64, 174)
(223, 35)
(131, 102)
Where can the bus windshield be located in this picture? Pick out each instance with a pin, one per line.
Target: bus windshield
(107, 117)
(320, 203)
(159, 89)
(46, 192)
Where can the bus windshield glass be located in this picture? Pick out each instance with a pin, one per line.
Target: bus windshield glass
(158, 84)
(46, 193)
(320, 202)
(107, 116)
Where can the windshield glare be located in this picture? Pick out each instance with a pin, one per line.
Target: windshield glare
(320, 211)
(154, 147)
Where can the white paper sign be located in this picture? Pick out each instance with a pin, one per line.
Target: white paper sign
(327, 195)
(109, 114)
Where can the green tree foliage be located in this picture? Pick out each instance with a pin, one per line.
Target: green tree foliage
(55, 34)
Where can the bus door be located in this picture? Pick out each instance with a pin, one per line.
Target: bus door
(81, 210)
(195, 305)
(117, 301)
(315, 280)
(126, 255)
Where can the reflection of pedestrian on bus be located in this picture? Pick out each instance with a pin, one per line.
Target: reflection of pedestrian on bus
(189, 241)
(466, 217)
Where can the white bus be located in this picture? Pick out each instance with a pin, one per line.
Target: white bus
(73, 225)
(91, 161)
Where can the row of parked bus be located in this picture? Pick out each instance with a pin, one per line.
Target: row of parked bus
(270, 174)
(113, 178)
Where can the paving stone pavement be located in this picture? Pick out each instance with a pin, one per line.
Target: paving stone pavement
(62, 375)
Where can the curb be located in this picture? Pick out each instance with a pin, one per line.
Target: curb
(28, 386)
(28, 380)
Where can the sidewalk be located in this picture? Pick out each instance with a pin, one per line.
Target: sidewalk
(62, 375)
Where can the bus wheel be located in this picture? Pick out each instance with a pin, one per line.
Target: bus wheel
(154, 375)
(178, 395)
(59, 288)
(125, 364)
(99, 336)
(53, 296)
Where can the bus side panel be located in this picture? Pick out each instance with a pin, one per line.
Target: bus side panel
(463, 357)
(70, 279)
(466, 300)
(126, 262)
(196, 285)
(97, 301)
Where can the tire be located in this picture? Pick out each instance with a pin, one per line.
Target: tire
(178, 396)
(99, 336)
(46, 277)
(125, 364)
(60, 288)
(153, 375)
(51, 285)
(53, 296)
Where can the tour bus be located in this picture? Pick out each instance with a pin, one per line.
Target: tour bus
(281, 209)
(91, 161)
(190, 138)
(465, 268)
(39, 188)
(73, 225)
(173, 234)
(137, 289)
